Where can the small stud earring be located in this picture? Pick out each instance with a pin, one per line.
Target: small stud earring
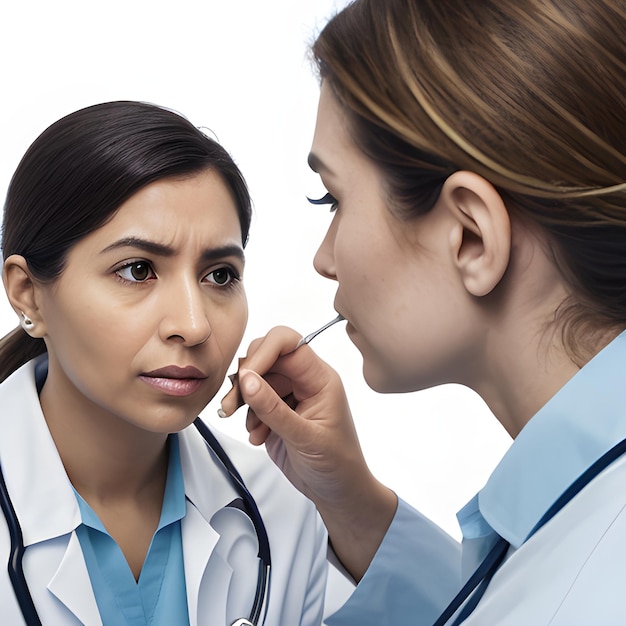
(26, 323)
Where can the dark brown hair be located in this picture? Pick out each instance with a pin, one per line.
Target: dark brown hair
(79, 171)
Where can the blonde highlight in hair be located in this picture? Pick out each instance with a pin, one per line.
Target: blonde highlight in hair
(527, 93)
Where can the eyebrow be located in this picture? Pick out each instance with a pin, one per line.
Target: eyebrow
(160, 249)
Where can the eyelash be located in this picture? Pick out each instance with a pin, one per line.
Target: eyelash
(327, 199)
(233, 280)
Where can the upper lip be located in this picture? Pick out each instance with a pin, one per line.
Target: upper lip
(174, 371)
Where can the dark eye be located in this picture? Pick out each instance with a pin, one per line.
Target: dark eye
(221, 277)
(136, 272)
(327, 199)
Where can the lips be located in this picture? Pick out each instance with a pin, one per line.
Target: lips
(175, 381)
(173, 371)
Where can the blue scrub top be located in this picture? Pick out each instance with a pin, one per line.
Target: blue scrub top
(159, 597)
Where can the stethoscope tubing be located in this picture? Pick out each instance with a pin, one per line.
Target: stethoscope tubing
(16, 555)
(263, 581)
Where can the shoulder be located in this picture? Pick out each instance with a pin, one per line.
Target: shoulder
(22, 380)
(576, 563)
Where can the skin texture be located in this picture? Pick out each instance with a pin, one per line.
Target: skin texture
(122, 310)
(465, 294)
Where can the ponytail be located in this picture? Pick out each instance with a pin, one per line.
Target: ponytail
(16, 349)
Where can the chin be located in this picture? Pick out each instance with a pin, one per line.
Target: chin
(379, 382)
(382, 381)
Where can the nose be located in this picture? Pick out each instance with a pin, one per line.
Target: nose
(324, 261)
(186, 317)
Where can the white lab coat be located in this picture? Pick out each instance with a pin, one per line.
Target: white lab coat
(219, 544)
(573, 571)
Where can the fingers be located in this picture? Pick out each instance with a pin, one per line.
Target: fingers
(268, 412)
(262, 355)
(258, 431)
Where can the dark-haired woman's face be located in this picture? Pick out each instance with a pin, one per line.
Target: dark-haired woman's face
(150, 309)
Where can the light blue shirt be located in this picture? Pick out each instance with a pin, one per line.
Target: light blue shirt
(416, 570)
(159, 597)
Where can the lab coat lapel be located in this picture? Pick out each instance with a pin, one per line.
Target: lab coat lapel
(207, 484)
(208, 490)
(71, 585)
(199, 541)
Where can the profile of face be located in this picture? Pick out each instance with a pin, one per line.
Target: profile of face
(398, 285)
(146, 317)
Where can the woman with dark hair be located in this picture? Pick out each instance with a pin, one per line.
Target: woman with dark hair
(474, 158)
(123, 244)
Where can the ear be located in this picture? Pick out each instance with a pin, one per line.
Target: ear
(22, 291)
(480, 237)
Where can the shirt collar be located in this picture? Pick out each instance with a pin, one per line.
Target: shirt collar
(174, 501)
(571, 431)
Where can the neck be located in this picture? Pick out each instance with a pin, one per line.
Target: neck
(520, 360)
(106, 459)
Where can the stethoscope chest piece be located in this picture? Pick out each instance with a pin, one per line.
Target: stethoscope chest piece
(242, 622)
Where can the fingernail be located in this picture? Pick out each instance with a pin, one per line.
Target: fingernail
(249, 382)
(221, 413)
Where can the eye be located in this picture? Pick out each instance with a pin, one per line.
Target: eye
(222, 277)
(327, 199)
(136, 272)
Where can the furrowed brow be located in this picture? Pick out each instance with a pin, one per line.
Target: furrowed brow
(146, 245)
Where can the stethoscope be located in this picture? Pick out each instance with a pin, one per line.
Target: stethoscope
(16, 572)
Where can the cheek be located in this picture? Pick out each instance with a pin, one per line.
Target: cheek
(230, 328)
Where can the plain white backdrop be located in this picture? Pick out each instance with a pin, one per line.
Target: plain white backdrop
(240, 69)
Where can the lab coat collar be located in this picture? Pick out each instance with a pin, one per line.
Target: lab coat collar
(47, 508)
(41, 492)
(585, 419)
(71, 584)
(207, 484)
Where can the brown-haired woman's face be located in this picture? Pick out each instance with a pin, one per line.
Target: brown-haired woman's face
(150, 309)
(397, 285)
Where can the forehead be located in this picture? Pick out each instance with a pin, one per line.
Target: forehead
(182, 214)
(202, 199)
(334, 155)
(331, 128)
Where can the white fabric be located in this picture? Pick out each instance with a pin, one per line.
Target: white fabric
(219, 544)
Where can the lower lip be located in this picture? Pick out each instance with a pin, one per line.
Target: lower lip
(174, 386)
(351, 331)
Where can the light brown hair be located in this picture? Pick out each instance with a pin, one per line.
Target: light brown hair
(527, 93)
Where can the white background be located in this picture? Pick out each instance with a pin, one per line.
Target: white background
(239, 68)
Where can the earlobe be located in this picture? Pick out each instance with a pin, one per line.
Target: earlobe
(21, 291)
(480, 237)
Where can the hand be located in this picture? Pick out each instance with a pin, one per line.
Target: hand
(298, 407)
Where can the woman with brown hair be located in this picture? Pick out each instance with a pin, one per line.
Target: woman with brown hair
(474, 158)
